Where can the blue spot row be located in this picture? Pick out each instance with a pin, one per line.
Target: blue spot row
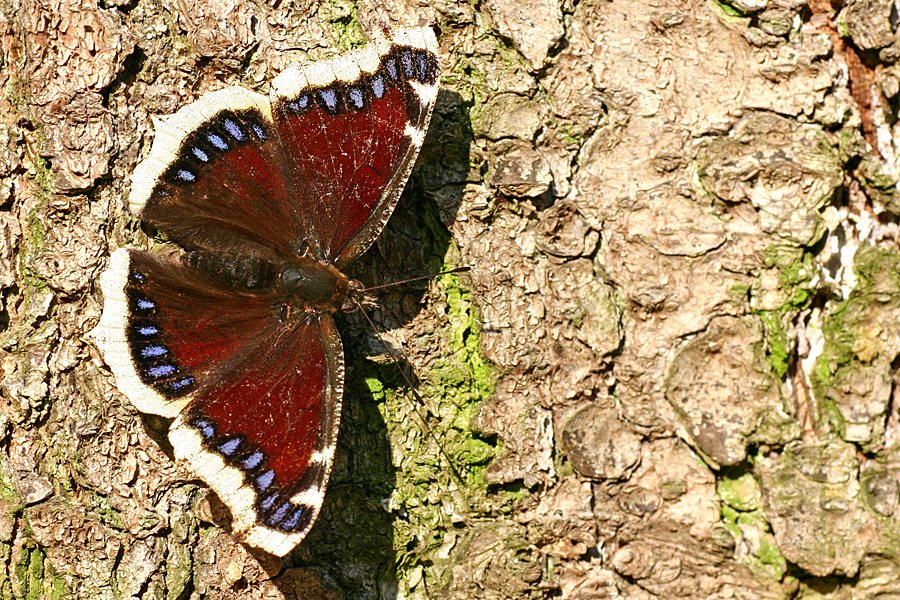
(152, 351)
(231, 446)
(150, 354)
(404, 63)
(161, 371)
(225, 131)
(265, 480)
(278, 512)
(145, 304)
(166, 377)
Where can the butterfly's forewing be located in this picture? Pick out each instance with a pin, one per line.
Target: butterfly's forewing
(365, 115)
(213, 178)
(253, 379)
(325, 175)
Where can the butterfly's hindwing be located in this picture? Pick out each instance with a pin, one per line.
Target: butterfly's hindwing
(257, 399)
(267, 464)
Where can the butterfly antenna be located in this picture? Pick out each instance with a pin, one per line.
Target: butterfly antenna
(412, 386)
(415, 279)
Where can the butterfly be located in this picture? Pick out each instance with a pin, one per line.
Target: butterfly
(268, 200)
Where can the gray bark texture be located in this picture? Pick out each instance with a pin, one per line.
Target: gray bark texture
(670, 373)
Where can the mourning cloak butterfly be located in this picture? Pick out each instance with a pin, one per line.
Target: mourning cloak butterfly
(233, 337)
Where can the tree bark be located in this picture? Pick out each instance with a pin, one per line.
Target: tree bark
(670, 373)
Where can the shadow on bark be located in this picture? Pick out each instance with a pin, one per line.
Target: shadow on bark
(351, 546)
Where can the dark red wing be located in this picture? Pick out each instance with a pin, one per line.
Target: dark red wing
(257, 397)
(214, 178)
(263, 437)
(354, 126)
(320, 168)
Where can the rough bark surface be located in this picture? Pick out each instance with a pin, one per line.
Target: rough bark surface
(670, 373)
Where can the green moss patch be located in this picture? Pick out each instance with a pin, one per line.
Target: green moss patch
(862, 339)
(343, 18)
(795, 277)
(743, 517)
(443, 472)
(36, 578)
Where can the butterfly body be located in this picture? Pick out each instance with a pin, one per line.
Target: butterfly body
(233, 336)
(241, 273)
(301, 282)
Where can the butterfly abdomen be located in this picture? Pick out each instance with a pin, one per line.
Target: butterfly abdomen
(236, 272)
